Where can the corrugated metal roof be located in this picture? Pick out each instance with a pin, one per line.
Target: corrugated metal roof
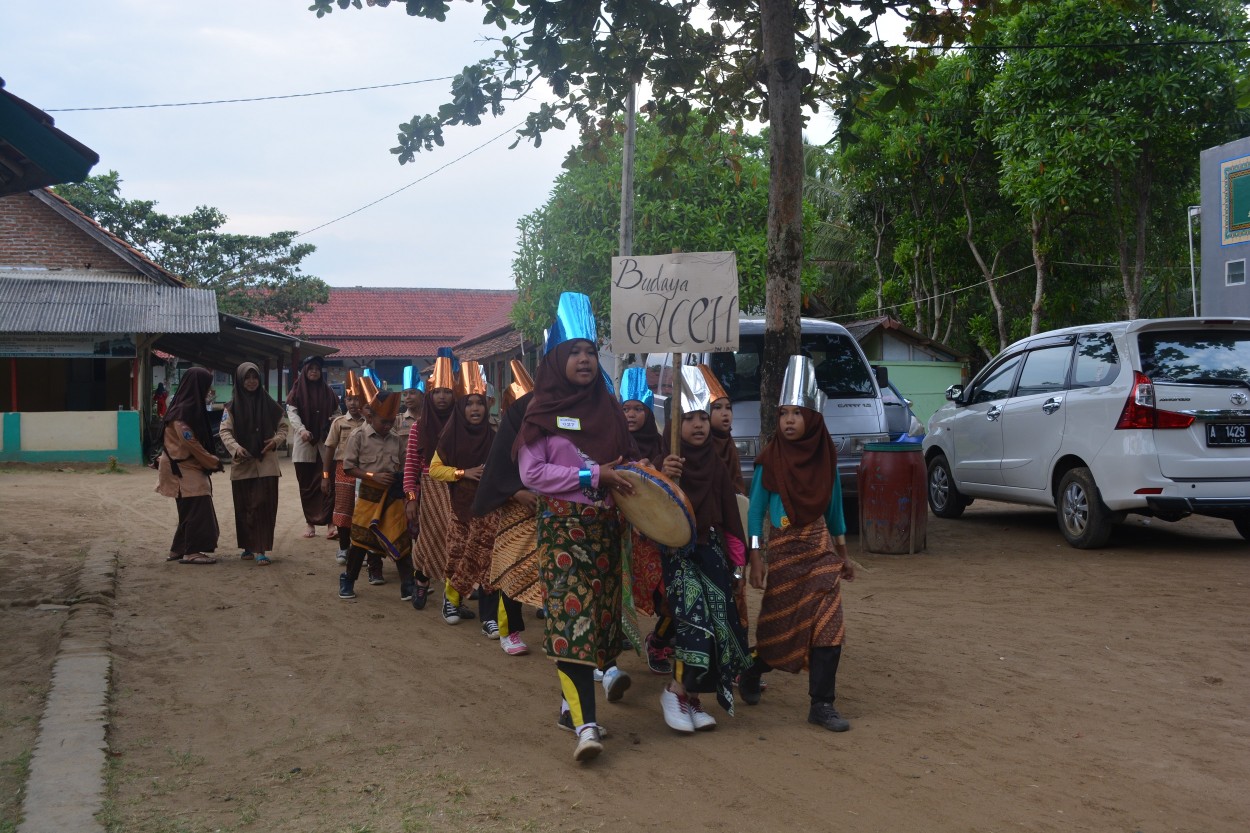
(54, 306)
(96, 275)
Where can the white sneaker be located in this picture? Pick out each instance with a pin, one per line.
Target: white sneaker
(676, 711)
(451, 614)
(702, 720)
(598, 676)
(513, 646)
(615, 683)
(589, 744)
(341, 558)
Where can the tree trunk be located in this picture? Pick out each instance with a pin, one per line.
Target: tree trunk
(1037, 226)
(987, 272)
(785, 205)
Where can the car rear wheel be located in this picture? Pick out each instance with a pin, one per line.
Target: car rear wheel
(1243, 526)
(944, 498)
(1083, 518)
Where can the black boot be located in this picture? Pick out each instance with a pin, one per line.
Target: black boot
(824, 714)
(750, 682)
(346, 586)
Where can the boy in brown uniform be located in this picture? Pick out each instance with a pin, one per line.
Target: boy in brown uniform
(333, 480)
(375, 456)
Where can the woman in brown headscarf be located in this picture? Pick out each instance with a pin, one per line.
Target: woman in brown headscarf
(310, 406)
(251, 428)
(573, 436)
(459, 461)
(796, 488)
(184, 466)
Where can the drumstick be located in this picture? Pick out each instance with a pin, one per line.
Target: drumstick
(674, 408)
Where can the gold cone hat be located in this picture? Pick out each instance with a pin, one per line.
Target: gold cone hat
(385, 404)
(367, 389)
(470, 380)
(443, 375)
(352, 387)
(521, 384)
(714, 388)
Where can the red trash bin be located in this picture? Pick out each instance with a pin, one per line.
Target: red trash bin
(893, 507)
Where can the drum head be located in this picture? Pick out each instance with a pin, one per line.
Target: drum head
(658, 508)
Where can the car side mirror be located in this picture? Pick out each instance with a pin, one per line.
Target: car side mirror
(883, 375)
(954, 393)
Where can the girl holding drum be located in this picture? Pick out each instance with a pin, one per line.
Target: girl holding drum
(572, 437)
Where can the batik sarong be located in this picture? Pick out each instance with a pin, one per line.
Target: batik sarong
(710, 640)
(430, 556)
(646, 572)
(514, 557)
(344, 496)
(802, 606)
(468, 562)
(579, 556)
(378, 522)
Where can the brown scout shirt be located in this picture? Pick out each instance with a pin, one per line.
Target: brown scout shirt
(193, 460)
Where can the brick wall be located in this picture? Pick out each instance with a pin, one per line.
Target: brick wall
(32, 234)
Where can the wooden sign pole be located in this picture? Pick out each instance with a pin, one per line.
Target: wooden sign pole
(674, 406)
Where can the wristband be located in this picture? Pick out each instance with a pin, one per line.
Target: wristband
(369, 474)
(325, 475)
(585, 478)
(410, 496)
(459, 473)
(755, 542)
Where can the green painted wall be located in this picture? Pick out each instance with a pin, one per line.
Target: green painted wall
(924, 383)
(128, 447)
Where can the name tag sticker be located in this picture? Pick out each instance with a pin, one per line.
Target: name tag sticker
(569, 423)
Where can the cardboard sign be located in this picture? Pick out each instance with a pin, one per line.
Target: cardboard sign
(685, 302)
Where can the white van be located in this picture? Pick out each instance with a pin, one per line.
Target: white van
(854, 414)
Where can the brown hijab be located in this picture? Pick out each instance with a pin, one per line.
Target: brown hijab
(315, 401)
(723, 442)
(603, 437)
(647, 438)
(706, 482)
(255, 415)
(433, 421)
(188, 405)
(802, 470)
(463, 445)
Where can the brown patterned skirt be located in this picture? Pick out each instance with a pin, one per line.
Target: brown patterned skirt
(514, 557)
(344, 497)
(430, 556)
(802, 606)
(468, 562)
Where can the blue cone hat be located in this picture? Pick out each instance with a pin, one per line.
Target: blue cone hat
(799, 385)
(634, 386)
(574, 319)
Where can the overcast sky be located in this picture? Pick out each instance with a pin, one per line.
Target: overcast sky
(294, 163)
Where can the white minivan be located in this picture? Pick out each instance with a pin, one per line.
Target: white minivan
(854, 412)
(1148, 416)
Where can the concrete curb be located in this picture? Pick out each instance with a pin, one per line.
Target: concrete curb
(65, 789)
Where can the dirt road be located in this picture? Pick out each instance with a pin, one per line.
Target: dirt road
(1001, 681)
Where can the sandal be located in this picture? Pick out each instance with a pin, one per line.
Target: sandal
(262, 560)
(173, 556)
(246, 555)
(198, 558)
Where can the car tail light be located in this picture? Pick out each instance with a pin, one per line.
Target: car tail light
(1140, 411)
(1150, 490)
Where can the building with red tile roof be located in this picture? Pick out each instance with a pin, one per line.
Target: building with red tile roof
(390, 328)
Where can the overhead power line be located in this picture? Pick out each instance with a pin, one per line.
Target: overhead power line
(244, 100)
(414, 182)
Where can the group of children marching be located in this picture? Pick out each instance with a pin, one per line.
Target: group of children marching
(527, 513)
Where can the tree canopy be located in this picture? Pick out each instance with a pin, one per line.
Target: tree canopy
(695, 194)
(253, 276)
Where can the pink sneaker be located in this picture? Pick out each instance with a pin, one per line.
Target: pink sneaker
(513, 646)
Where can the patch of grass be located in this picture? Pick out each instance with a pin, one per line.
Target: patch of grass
(16, 771)
(113, 467)
(185, 761)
